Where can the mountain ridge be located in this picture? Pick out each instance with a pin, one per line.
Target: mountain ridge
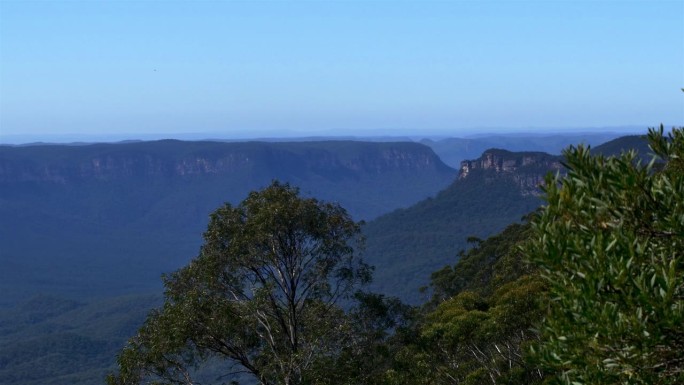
(178, 158)
(113, 217)
(527, 168)
(492, 191)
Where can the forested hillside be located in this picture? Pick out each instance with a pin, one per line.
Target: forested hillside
(615, 147)
(492, 191)
(478, 322)
(49, 340)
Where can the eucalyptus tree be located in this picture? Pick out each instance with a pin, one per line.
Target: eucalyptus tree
(263, 296)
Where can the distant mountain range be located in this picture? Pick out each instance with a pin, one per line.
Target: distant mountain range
(107, 219)
(454, 150)
(228, 171)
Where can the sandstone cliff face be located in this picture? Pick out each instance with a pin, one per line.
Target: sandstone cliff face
(151, 180)
(171, 159)
(527, 169)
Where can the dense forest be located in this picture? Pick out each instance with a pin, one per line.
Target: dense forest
(588, 290)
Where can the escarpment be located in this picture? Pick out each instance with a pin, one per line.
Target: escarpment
(527, 169)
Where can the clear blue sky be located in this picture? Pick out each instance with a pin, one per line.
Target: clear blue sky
(95, 67)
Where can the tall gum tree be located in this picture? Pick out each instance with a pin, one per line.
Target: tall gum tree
(262, 296)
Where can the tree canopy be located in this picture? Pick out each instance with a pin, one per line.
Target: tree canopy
(262, 296)
(476, 327)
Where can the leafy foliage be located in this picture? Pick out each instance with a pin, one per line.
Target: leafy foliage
(366, 359)
(262, 294)
(610, 243)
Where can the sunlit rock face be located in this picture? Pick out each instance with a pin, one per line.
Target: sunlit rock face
(527, 169)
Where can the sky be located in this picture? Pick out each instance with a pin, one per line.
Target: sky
(168, 68)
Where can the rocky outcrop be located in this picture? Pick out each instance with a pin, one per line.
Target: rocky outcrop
(527, 169)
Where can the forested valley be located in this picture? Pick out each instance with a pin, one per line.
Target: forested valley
(581, 282)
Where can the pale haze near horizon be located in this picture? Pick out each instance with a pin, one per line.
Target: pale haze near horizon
(252, 69)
